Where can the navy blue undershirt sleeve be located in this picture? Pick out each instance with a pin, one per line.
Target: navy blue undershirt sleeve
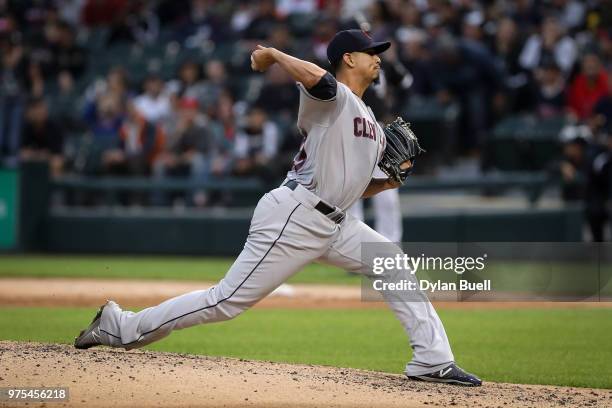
(325, 89)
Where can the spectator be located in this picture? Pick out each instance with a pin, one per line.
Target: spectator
(202, 25)
(472, 28)
(394, 76)
(601, 119)
(36, 81)
(114, 84)
(189, 148)
(588, 87)
(12, 90)
(264, 20)
(69, 58)
(280, 38)
(189, 83)
(381, 20)
(137, 23)
(144, 23)
(43, 47)
(65, 102)
(507, 45)
(448, 15)
(154, 103)
(242, 16)
(526, 14)
(571, 12)
(434, 27)
(417, 60)
(599, 183)
(604, 41)
(222, 125)
(139, 144)
(104, 118)
(552, 42)
(279, 94)
(256, 146)
(575, 161)
(324, 31)
(549, 93)
(42, 138)
(410, 19)
(472, 79)
(214, 84)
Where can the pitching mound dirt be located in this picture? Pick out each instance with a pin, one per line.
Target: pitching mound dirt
(112, 378)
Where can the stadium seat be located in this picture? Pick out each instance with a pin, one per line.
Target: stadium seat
(524, 143)
(435, 124)
(93, 39)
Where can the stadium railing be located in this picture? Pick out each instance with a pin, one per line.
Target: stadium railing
(532, 184)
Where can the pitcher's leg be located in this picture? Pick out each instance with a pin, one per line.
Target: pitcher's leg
(430, 345)
(431, 349)
(245, 284)
(388, 215)
(271, 255)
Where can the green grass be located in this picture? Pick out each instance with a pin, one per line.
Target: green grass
(554, 346)
(171, 268)
(514, 276)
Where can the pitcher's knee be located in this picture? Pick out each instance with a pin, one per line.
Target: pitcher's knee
(230, 309)
(231, 302)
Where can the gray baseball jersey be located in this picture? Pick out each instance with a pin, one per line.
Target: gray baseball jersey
(342, 145)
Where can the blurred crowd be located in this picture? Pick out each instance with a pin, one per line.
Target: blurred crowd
(69, 95)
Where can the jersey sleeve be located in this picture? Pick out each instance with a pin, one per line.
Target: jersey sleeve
(320, 105)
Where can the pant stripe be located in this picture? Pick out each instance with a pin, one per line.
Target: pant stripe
(220, 301)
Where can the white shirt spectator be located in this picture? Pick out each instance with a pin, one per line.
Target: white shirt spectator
(565, 53)
(153, 109)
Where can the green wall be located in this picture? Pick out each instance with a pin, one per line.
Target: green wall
(9, 204)
(212, 235)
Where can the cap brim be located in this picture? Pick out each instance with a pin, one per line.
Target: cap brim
(379, 47)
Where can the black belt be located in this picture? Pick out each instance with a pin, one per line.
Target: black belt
(321, 206)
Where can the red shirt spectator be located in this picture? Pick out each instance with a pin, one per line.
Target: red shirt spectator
(588, 87)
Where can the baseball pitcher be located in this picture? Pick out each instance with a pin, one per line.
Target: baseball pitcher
(304, 220)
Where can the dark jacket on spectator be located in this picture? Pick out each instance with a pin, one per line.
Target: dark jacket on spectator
(47, 137)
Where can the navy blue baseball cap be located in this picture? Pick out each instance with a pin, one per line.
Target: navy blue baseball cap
(351, 41)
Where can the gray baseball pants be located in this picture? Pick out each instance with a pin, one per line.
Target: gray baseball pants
(286, 233)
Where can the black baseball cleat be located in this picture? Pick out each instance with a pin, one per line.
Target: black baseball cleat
(90, 337)
(452, 374)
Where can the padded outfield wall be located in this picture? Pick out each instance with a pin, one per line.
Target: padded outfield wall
(218, 233)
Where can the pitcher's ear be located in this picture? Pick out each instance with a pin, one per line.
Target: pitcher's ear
(348, 59)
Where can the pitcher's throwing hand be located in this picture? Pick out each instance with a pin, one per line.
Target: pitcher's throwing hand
(261, 58)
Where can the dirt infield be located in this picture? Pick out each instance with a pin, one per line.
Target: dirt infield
(142, 293)
(105, 377)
